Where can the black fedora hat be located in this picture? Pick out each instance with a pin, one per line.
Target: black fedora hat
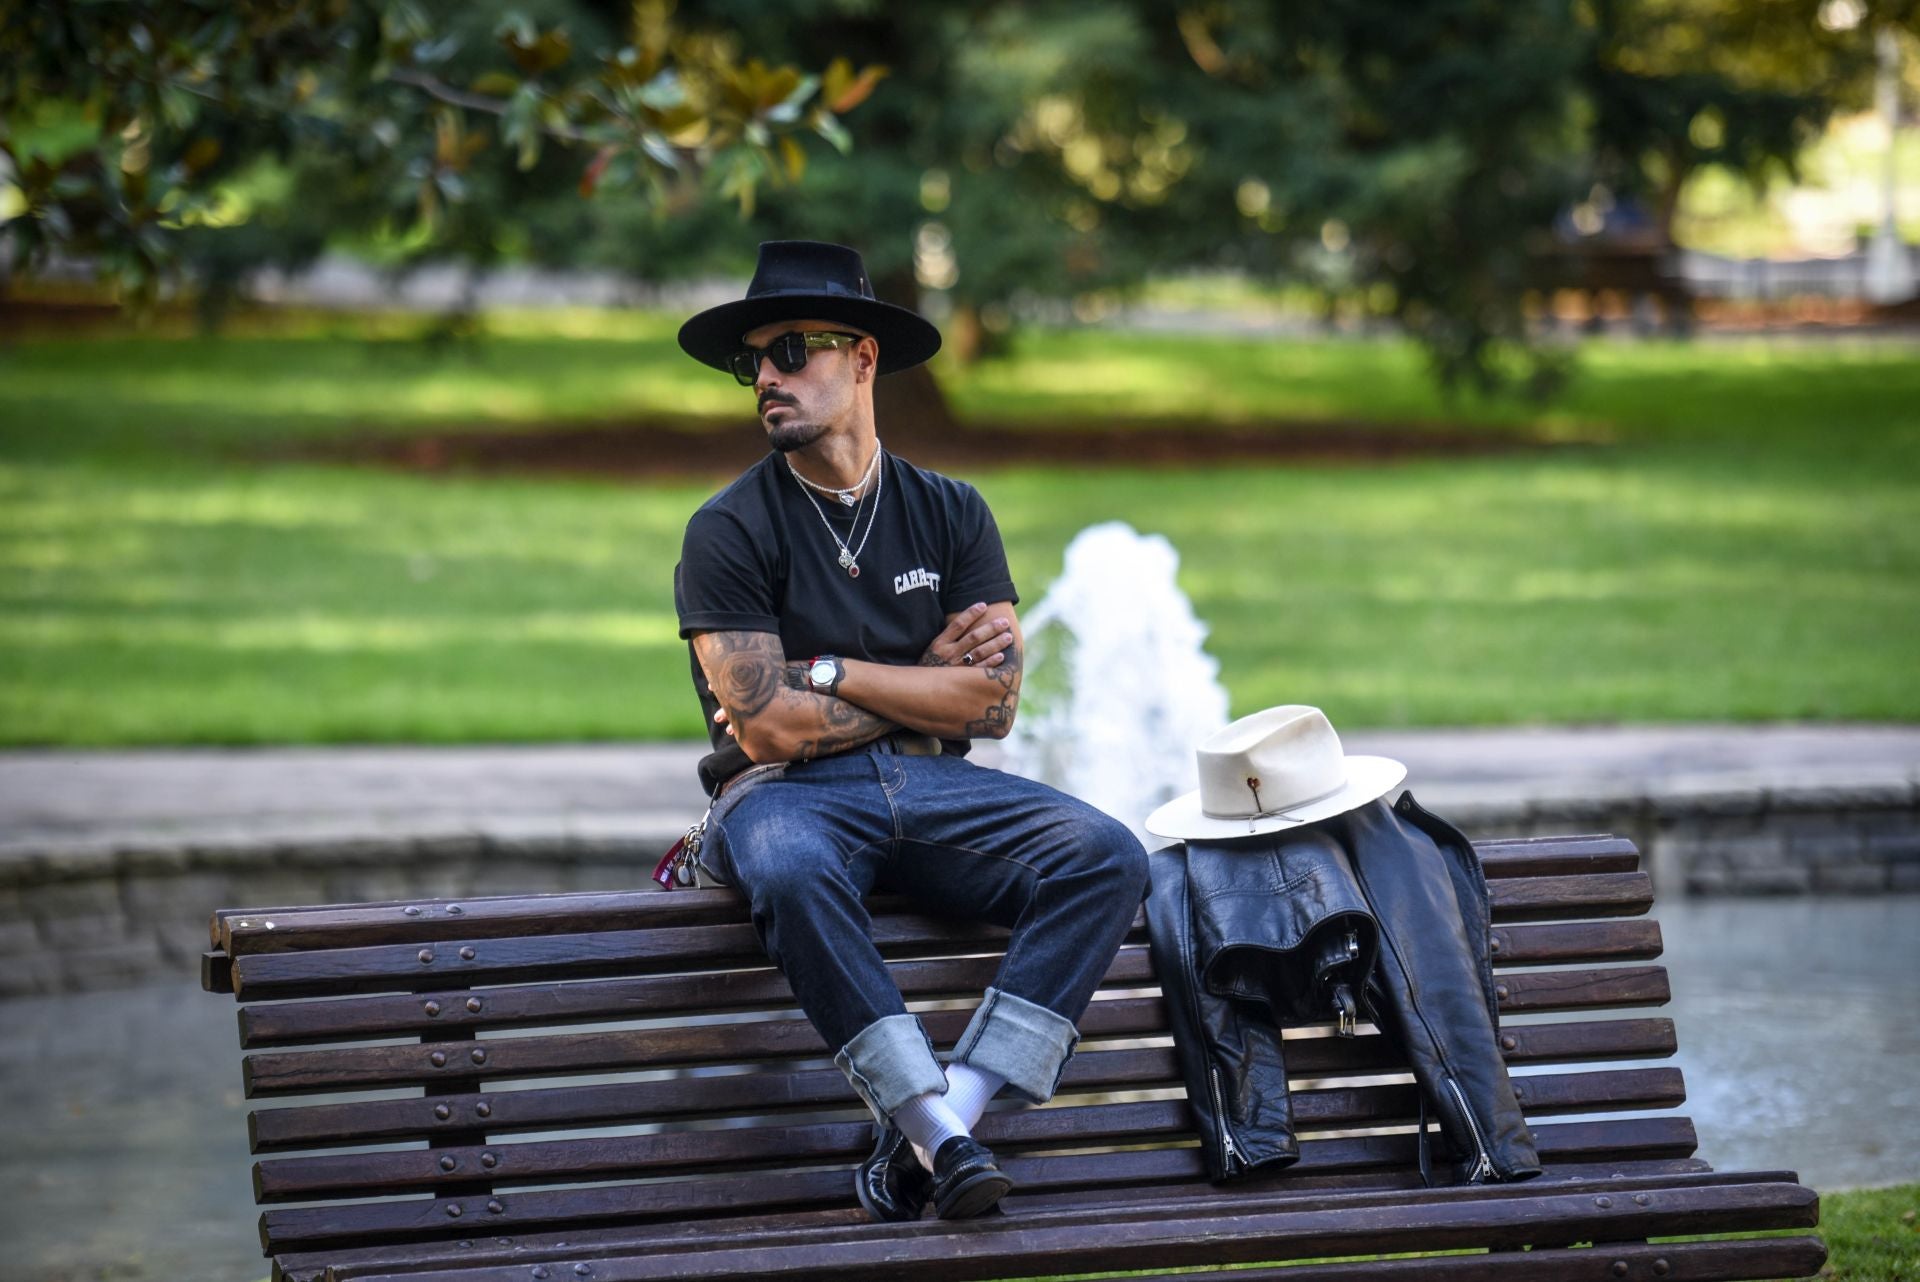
(810, 280)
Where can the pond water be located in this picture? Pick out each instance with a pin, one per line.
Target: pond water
(122, 1136)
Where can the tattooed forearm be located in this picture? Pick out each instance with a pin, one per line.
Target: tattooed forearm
(770, 705)
(997, 719)
(843, 726)
(743, 668)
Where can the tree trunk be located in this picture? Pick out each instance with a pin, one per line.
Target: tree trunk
(909, 407)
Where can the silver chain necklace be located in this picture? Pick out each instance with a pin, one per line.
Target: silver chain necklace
(849, 557)
(846, 497)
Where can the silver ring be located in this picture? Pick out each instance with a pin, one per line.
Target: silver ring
(967, 658)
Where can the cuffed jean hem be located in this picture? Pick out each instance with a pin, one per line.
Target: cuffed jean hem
(889, 1062)
(1025, 1043)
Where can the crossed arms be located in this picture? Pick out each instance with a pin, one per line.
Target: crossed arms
(768, 706)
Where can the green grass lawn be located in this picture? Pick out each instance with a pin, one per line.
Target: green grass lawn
(1872, 1235)
(1734, 537)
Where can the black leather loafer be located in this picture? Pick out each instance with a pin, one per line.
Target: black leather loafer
(891, 1183)
(966, 1180)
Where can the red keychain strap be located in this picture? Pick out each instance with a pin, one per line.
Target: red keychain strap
(664, 873)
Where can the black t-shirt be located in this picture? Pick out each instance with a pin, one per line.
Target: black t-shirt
(757, 558)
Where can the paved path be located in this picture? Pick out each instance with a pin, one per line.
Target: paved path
(87, 801)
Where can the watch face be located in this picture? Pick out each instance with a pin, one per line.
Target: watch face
(821, 673)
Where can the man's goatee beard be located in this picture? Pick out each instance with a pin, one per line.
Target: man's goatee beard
(788, 437)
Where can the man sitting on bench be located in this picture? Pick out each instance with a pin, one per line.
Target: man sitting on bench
(852, 629)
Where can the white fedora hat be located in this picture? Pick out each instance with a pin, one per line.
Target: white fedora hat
(1275, 769)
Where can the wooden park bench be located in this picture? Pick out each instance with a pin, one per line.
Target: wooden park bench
(617, 1087)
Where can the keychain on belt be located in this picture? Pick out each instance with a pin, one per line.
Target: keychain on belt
(678, 866)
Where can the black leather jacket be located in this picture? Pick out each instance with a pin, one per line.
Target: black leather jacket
(1257, 932)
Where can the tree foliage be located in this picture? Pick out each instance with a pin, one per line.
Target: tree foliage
(134, 128)
(1412, 160)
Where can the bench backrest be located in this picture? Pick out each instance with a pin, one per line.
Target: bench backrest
(513, 1070)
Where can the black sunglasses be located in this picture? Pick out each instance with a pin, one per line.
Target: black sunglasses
(789, 352)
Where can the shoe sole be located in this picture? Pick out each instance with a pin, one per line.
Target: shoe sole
(976, 1195)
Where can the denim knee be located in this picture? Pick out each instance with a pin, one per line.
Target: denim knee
(1105, 844)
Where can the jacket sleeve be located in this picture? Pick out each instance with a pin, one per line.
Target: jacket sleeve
(1229, 1052)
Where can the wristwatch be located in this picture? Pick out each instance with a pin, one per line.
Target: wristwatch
(824, 673)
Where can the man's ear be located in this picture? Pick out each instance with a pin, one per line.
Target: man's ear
(866, 360)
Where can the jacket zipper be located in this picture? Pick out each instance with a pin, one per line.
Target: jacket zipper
(1483, 1164)
(1230, 1156)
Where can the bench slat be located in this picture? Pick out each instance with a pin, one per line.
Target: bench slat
(1747, 1260)
(1241, 1196)
(1606, 988)
(633, 1103)
(1575, 941)
(239, 931)
(1776, 1258)
(1741, 1260)
(269, 1073)
(293, 1228)
(495, 1112)
(1610, 894)
(280, 1023)
(966, 1253)
(761, 988)
(627, 952)
(472, 960)
(604, 1157)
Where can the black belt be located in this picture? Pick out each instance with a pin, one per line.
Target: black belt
(910, 743)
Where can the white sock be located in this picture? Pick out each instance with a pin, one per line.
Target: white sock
(928, 1122)
(968, 1090)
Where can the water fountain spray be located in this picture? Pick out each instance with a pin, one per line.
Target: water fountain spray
(1118, 688)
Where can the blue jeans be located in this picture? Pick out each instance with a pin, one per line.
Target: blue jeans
(807, 846)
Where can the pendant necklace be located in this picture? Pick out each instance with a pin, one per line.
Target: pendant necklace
(849, 558)
(846, 497)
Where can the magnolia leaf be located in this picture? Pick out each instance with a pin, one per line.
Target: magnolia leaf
(787, 110)
(741, 181)
(828, 126)
(497, 84)
(736, 89)
(178, 106)
(200, 153)
(534, 52)
(590, 178)
(554, 49)
(835, 80)
(795, 157)
(664, 92)
(660, 149)
(775, 86)
(428, 52)
(855, 92)
(683, 119)
(515, 30)
(519, 124)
